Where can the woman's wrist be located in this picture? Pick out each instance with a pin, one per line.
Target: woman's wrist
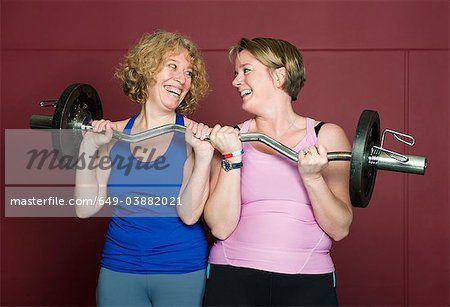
(88, 146)
(232, 154)
(234, 159)
(313, 179)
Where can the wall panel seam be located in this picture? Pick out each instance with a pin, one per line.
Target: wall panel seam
(405, 182)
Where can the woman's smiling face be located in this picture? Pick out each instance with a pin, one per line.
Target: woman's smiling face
(253, 81)
(173, 82)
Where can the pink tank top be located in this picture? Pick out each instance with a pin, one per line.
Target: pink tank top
(277, 231)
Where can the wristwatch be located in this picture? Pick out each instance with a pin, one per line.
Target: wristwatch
(228, 166)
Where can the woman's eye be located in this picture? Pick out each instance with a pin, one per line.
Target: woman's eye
(173, 66)
(246, 70)
(189, 74)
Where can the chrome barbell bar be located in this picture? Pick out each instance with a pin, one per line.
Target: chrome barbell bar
(378, 158)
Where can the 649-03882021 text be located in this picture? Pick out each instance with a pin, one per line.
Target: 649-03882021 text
(110, 201)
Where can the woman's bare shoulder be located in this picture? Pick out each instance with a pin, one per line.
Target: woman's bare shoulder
(333, 137)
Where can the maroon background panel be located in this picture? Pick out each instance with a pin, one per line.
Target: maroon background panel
(331, 24)
(428, 218)
(389, 56)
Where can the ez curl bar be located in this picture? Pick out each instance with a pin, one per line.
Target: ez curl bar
(79, 104)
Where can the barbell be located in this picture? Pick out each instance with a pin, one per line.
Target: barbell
(79, 104)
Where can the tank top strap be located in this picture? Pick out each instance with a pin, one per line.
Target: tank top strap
(246, 126)
(310, 132)
(130, 124)
(179, 120)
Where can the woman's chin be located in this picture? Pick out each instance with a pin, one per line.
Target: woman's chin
(247, 106)
(172, 105)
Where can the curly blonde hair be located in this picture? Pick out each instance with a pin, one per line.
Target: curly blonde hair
(145, 60)
(276, 53)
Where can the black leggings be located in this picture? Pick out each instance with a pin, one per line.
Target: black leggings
(234, 286)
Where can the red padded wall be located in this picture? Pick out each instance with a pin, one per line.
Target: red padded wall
(390, 56)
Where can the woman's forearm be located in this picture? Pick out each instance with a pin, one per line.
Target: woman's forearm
(223, 208)
(89, 186)
(195, 194)
(332, 214)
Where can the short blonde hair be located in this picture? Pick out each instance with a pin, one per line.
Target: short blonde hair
(276, 53)
(145, 60)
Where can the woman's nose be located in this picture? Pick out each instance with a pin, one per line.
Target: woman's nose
(180, 77)
(237, 80)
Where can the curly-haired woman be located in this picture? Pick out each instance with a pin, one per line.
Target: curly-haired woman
(155, 251)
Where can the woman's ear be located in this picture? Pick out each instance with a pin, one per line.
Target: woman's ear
(279, 76)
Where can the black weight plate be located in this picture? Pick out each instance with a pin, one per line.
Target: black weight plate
(77, 104)
(362, 174)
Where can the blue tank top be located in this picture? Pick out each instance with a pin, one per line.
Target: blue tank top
(145, 234)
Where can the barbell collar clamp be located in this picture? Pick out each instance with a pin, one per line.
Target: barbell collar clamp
(399, 136)
(44, 103)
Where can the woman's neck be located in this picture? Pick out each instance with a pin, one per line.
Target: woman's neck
(278, 121)
(151, 117)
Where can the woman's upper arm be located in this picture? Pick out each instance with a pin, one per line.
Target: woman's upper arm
(337, 174)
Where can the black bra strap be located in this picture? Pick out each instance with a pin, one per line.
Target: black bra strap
(317, 128)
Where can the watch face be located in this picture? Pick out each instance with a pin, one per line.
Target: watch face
(226, 165)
